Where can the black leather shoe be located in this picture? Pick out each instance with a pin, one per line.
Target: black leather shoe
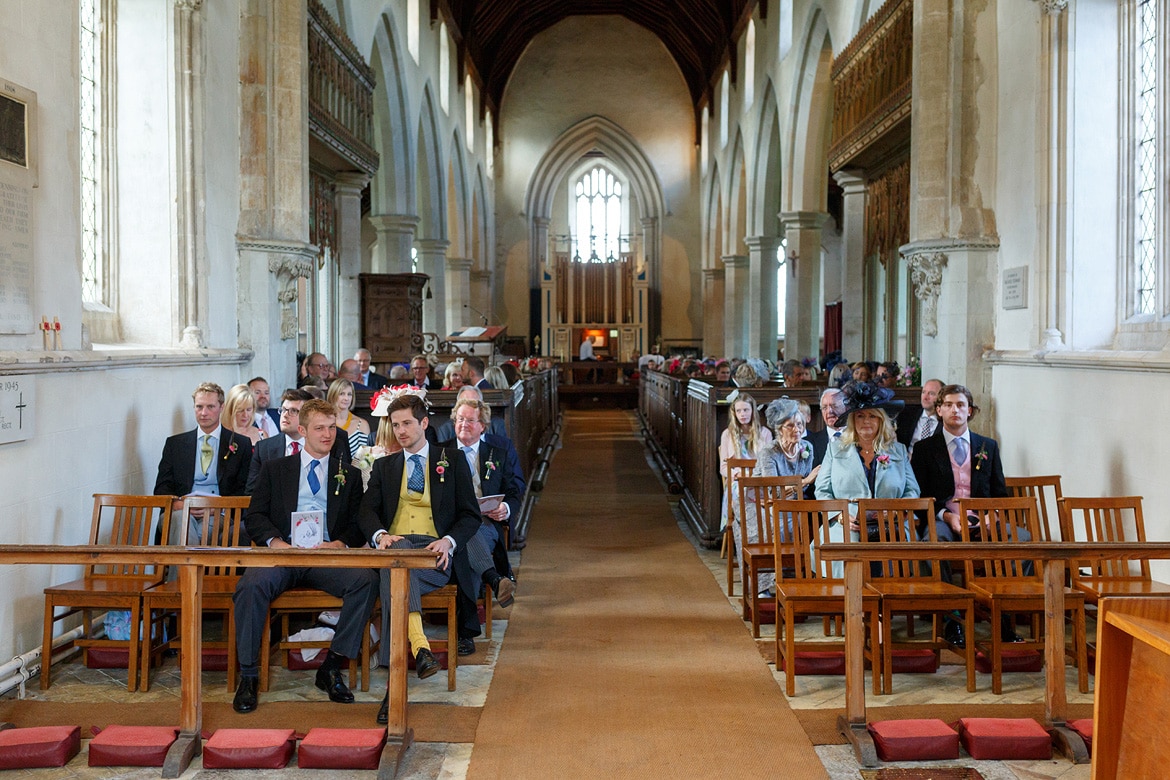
(384, 711)
(505, 589)
(245, 700)
(953, 633)
(1007, 631)
(466, 646)
(425, 663)
(329, 680)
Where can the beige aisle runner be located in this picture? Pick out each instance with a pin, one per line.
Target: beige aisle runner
(623, 658)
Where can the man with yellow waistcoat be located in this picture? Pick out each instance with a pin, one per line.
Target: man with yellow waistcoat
(421, 497)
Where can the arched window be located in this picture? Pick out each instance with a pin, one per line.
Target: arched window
(596, 217)
(94, 273)
(781, 285)
(444, 68)
(1149, 192)
(705, 139)
(469, 104)
(489, 135)
(724, 97)
(412, 29)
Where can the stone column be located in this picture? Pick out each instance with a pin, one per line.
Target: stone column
(953, 249)
(853, 263)
(735, 296)
(459, 293)
(395, 240)
(652, 263)
(542, 259)
(348, 200)
(481, 293)
(191, 184)
(273, 229)
(762, 325)
(1052, 178)
(805, 310)
(714, 299)
(432, 260)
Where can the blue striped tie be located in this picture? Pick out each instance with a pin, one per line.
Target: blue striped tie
(416, 482)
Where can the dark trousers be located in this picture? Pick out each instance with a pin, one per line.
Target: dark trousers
(357, 589)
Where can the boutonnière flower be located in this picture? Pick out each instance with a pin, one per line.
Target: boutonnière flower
(883, 460)
(805, 450)
(980, 457)
(489, 467)
(339, 478)
(441, 467)
(231, 450)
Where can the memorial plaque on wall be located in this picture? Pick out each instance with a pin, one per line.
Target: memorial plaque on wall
(16, 408)
(17, 179)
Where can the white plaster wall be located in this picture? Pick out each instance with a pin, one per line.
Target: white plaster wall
(38, 51)
(610, 67)
(1079, 423)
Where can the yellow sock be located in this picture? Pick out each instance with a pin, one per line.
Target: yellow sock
(414, 632)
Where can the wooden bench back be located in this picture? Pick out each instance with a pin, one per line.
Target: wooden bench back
(222, 526)
(813, 524)
(1117, 519)
(895, 520)
(129, 521)
(1046, 491)
(1001, 520)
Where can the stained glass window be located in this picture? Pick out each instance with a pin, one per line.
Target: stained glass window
(92, 251)
(1146, 196)
(597, 217)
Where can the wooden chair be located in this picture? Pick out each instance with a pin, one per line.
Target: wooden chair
(1046, 491)
(308, 601)
(132, 521)
(1005, 587)
(440, 599)
(1107, 520)
(908, 588)
(222, 526)
(810, 587)
(736, 469)
(756, 495)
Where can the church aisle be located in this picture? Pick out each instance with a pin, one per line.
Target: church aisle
(624, 658)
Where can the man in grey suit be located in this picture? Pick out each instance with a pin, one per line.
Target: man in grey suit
(311, 480)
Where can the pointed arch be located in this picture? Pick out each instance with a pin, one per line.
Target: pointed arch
(737, 207)
(713, 221)
(764, 195)
(392, 188)
(811, 107)
(481, 222)
(458, 210)
(430, 192)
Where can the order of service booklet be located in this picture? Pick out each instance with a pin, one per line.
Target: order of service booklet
(488, 503)
(307, 528)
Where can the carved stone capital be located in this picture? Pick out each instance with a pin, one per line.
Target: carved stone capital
(1054, 7)
(188, 5)
(287, 269)
(926, 274)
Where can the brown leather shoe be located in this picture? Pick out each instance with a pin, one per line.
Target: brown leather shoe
(505, 591)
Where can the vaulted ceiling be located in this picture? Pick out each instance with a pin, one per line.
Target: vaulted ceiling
(492, 34)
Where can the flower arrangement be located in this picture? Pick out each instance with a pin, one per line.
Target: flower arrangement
(339, 478)
(441, 467)
(883, 460)
(231, 449)
(381, 400)
(911, 375)
(980, 458)
(366, 455)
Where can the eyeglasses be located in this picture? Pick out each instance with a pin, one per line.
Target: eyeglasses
(288, 410)
(466, 420)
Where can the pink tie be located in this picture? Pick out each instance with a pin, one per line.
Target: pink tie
(296, 448)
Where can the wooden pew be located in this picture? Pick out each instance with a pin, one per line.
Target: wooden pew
(1055, 558)
(191, 562)
(682, 421)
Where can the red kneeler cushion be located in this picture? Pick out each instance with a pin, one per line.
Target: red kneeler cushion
(811, 662)
(341, 748)
(914, 662)
(131, 745)
(1004, 738)
(914, 740)
(249, 749)
(297, 661)
(1084, 729)
(39, 746)
(1013, 661)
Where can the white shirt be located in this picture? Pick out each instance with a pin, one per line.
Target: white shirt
(288, 450)
(264, 422)
(586, 351)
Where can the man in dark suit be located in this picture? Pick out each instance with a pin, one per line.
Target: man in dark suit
(208, 461)
(312, 480)
(421, 497)
(370, 379)
(290, 441)
(494, 468)
(350, 370)
(952, 464)
(473, 368)
(420, 374)
(446, 431)
(916, 423)
(832, 406)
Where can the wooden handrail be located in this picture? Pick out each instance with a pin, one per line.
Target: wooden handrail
(1053, 556)
(191, 561)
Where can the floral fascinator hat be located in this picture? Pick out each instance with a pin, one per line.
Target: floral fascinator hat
(381, 400)
(866, 395)
(779, 411)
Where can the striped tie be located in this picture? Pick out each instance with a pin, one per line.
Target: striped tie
(416, 483)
